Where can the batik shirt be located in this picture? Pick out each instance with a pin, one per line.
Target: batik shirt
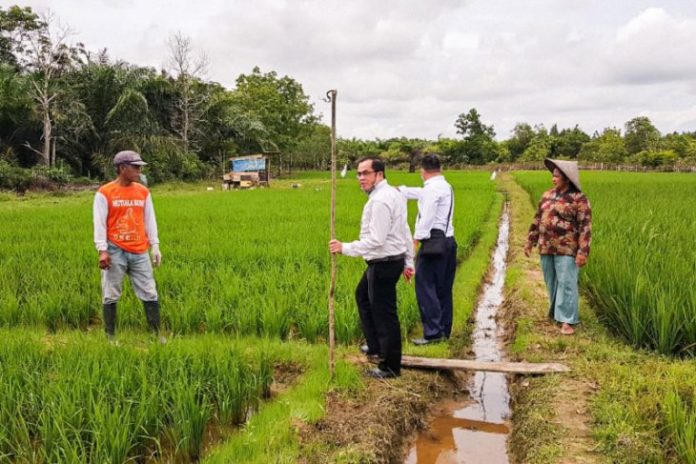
(562, 224)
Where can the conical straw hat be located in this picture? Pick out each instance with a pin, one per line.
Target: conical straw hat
(568, 168)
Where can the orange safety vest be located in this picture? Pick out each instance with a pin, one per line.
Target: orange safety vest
(125, 223)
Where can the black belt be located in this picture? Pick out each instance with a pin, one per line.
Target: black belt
(386, 259)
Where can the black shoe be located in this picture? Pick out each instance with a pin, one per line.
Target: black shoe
(427, 341)
(378, 373)
(152, 314)
(110, 319)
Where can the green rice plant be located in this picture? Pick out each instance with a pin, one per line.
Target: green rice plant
(115, 431)
(641, 274)
(83, 400)
(243, 262)
(189, 417)
(680, 425)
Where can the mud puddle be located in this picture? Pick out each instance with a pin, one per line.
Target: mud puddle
(476, 430)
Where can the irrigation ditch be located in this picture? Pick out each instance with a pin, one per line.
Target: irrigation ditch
(474, 427)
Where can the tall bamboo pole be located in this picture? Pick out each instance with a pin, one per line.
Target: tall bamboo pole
(331, 95)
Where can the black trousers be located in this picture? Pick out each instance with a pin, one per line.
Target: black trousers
(376, 299)
(434, 281)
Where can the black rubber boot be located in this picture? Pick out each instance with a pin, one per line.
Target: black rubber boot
(110, 319)
(152, 313)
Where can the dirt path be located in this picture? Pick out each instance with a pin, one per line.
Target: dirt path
(551, 422)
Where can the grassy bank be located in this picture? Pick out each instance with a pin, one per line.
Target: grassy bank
(617, 405)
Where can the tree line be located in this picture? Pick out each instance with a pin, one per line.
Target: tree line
(64, 112)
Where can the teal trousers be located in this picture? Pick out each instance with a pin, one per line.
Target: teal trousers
(561, 277)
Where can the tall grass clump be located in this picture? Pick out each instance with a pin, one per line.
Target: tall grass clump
(641, 275)
(239, 262)
(85, 401)
(680, 425)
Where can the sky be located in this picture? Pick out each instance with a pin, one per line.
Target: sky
(409, 68)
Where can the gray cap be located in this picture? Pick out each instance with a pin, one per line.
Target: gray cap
(128, 157)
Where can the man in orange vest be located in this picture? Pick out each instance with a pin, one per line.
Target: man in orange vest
(124, 229)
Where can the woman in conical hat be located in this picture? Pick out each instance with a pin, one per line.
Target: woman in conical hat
(562, 229)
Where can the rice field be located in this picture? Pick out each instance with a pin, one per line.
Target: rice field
(641, 275)
(249, 262)
(72, 398)
(243, 287)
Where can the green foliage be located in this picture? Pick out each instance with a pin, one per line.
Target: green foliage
(655, 159)
(609, 147)
(280, 104)
(522, 136)
(568, 142)
(641, 135)
(313, 152)
(539, 147)
(680, 421)
(478, 145)
(350, 150)
(14, 178)
(15, 24)
(684, 145)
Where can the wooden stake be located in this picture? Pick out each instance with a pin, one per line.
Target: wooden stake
(331, 95)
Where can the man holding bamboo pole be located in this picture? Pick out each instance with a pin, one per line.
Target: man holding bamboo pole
(386, 245)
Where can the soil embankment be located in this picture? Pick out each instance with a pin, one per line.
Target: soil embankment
(550, 417)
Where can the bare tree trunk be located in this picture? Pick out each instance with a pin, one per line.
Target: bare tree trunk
(188, 68)
(187, 115)
(53, 151)
(47, 129)
(48, 52)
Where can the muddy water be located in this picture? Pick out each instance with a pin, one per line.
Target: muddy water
(476, 431)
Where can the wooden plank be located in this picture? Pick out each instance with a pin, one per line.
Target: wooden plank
(489, 366)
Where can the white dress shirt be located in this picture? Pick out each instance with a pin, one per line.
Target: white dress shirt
(384, 227)
(434, 200)
(100, 212)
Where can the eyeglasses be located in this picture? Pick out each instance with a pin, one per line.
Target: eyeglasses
(364, 174)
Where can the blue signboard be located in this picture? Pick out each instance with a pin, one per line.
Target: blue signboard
(249, 165)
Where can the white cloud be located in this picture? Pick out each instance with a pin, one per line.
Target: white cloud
(654, 47)
(408, 68)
